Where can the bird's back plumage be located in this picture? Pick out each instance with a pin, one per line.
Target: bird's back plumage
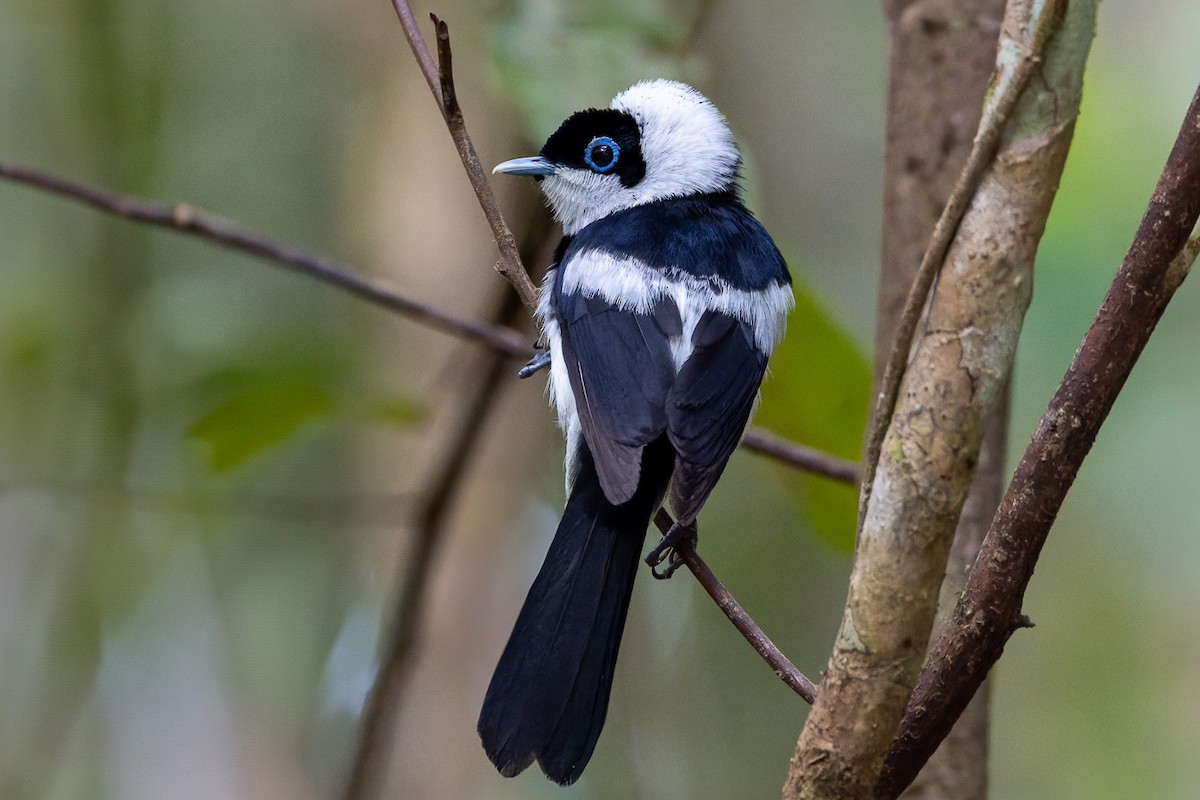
(664, 327)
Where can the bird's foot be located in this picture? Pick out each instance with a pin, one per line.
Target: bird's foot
(667, 550)
(535, 365)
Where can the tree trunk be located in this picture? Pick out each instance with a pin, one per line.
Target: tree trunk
(956, 377)
(942, 56)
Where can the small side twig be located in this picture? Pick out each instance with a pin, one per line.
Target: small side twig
(801, 457)
(995, 118)
(745, 624)
(194, 221)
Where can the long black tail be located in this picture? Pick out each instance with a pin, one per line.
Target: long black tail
(549, 694)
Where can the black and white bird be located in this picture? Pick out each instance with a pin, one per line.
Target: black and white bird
(664, 302)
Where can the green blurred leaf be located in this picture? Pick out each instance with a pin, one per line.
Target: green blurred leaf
(817, 393)
(257, 418)
(30, 348)
(399, 412)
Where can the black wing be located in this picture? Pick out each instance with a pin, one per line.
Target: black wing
(620, 368)
(708, 407)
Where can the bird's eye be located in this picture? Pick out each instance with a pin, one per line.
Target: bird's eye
(602, 154)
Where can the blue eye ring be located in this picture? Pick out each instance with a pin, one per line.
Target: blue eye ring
(598, 163)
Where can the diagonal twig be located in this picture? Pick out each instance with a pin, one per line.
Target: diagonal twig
(808, 459)
(745, 624)
(194, 221)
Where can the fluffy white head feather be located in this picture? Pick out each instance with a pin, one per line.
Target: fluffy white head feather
(686, 143)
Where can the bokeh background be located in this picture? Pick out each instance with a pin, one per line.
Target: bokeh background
(207, 466)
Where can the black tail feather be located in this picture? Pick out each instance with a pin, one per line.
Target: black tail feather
(549, 695)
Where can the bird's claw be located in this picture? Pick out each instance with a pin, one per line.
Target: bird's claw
(667, 550)
(535, 365)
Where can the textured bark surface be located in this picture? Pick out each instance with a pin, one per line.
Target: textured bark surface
(1153, 268)
(958, 768)
(942, 55)
(955, 379)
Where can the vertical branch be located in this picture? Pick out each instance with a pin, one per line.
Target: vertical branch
(958, 371)
(1152, 270)
(942, 56)
(1038, 20)
(943, 53)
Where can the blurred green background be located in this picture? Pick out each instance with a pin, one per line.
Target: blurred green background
(206, 465)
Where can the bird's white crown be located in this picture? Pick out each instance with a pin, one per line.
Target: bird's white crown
(686, 143)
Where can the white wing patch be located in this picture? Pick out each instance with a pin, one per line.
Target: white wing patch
(631, 285)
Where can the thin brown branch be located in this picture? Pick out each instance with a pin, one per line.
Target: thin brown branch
(801, 457)
(942, 58)
(987, 140)
(441, 83)
(745, 624)
(191, 220)
(1153, 268)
